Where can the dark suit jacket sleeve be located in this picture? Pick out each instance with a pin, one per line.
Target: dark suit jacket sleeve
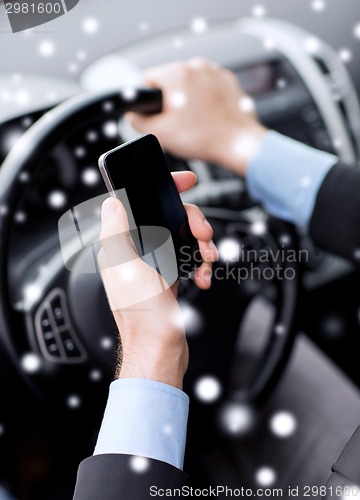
(110, 477)
(335, 222)
(346, 471)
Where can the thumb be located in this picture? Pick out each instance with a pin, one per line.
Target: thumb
(115, 237)
(128, 280)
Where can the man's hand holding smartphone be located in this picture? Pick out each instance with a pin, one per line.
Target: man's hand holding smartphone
(153, 342)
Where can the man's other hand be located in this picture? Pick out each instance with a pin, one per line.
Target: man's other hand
(205, 116)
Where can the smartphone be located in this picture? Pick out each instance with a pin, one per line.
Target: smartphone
(152, 199)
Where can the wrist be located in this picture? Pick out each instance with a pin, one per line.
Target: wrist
(240, 147)
(155, 374)
(169, 368)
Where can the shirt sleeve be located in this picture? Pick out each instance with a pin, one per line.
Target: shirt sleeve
(285, 176)
(145, 418)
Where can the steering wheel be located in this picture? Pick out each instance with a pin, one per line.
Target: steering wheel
(56, 326)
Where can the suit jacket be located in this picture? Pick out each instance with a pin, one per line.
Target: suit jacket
(335, 222)
(346, 471)
(335, 227)
(111, 477)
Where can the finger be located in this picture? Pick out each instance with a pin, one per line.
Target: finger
(115, 237)
(144, 123)
(201, 63)
(157, 75)
(208, 251)
(199, 226)
(184, 180)
(203, 276)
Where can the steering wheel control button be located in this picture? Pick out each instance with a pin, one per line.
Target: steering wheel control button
(45, 322)
(58, 312)
(69, 345)
(57, 339)
(53, 349)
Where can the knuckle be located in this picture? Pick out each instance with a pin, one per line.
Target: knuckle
(200, 62)
(185, 72)
(102, 236)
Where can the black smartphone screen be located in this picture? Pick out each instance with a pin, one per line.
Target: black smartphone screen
(139, 167)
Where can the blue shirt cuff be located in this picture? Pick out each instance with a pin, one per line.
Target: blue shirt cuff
(285, 177)
(145, 418)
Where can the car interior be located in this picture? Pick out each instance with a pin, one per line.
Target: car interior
(274, 379)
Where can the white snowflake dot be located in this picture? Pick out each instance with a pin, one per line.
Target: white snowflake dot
(110, 130)
(318, 5)
(283, 424)
(107, 106)
(178, 99)
(22, 97)
(81, 55)
(27, 121)
(80, 152)
(265, 476)
(92, 136)
(168, 429)
(31, 362)
(350, 491)
(345, 55)
(144, 26)
(90, 176)
(258, 11)
(57, 199)
(52, 95)
(247, 105)
(357, 30)
(279, 329)
(73, 68)
(312, 44)
(306, 181)
(73, 401)
(20, 217)
(178, 43)
(229, 250)
(191, 318)
(17, 78)
(139, 464)
(106, 343)
(5, 96)
(357, 254)
(236, 418)
(47, 48)
(32, 292)
(129, 93)
(281, 83)
(269, 43)
(90, 25)
(207, 389)
(258, 228)
(199, 25)
(95, 375)
(24, 177)
(285, 239)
